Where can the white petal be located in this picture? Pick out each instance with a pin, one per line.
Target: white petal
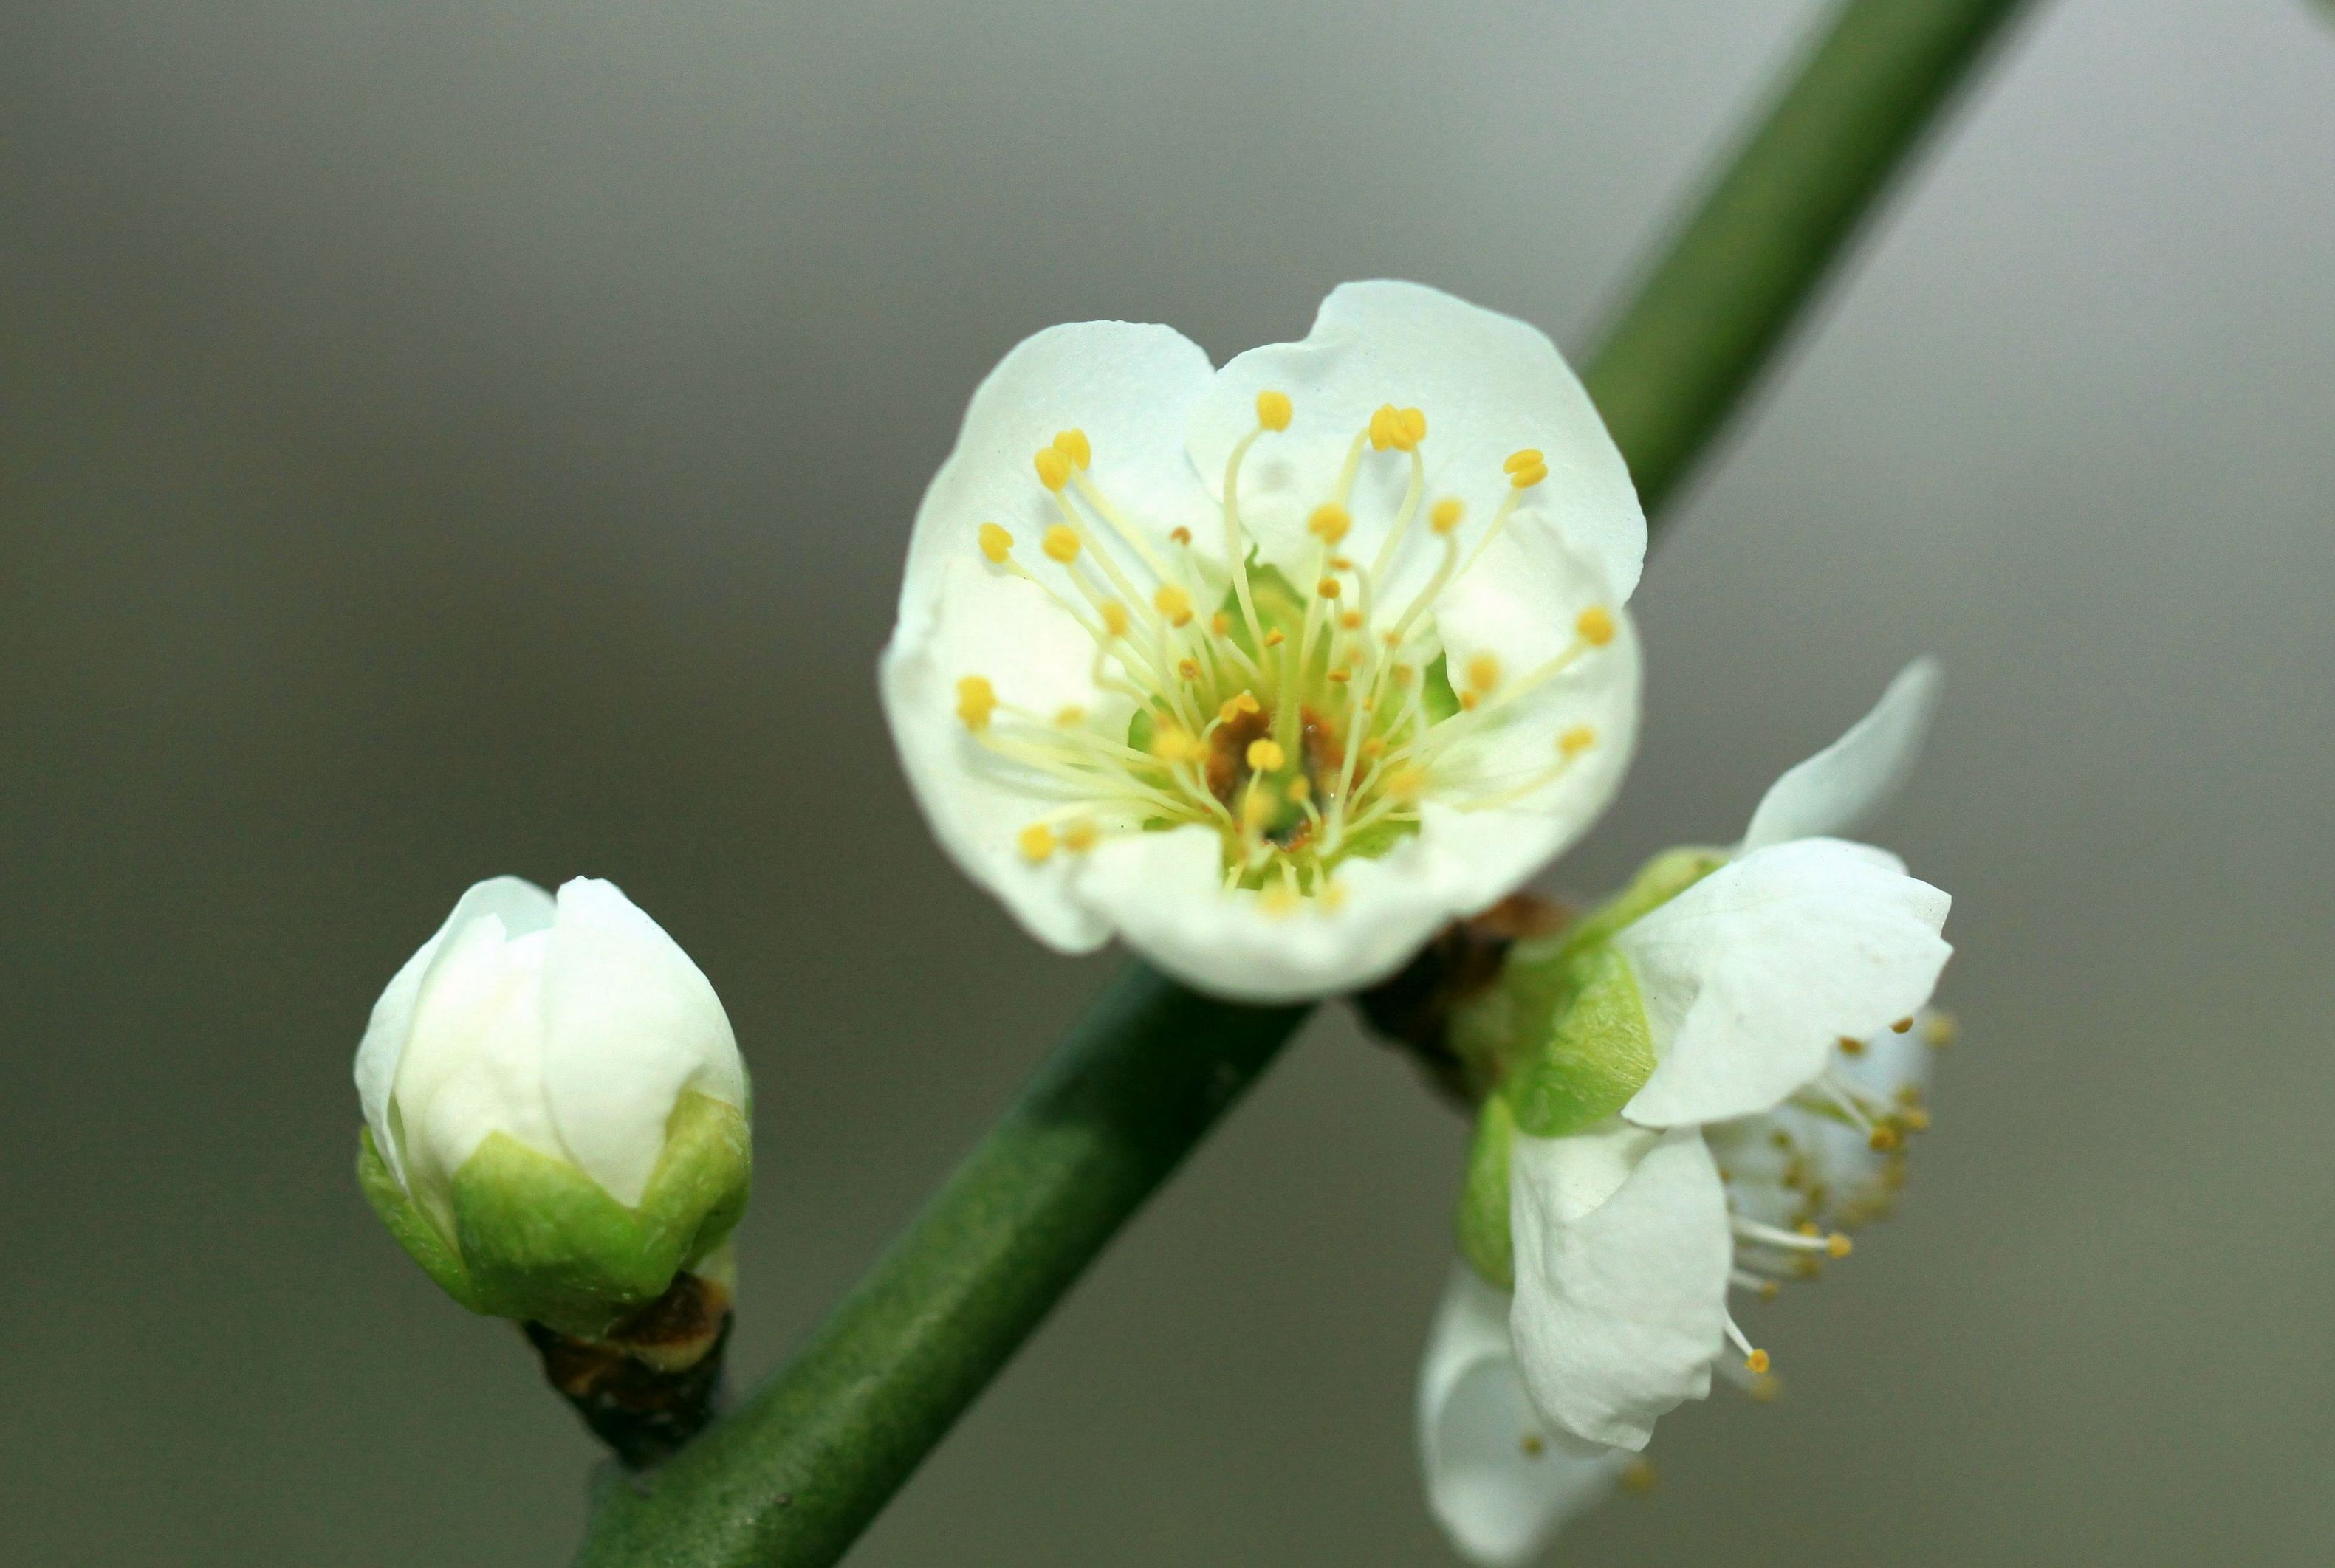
(474, 1065)
(1131, 388)
(1500, 1481)
(632, 1022)
(1622, 1251)
(1841, 787)
(1750, 976)
(1489, 386)
(522, 907)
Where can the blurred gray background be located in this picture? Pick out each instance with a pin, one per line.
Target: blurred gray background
(442, 440)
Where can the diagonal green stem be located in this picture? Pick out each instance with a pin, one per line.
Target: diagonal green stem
(794, 1475)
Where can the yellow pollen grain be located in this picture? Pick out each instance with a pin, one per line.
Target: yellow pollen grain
(1074, 445)
(1341, 675)
(1851, 1046)
(1189, 668)
(1037, 843)
(1471, 700)
(1180, 535)
(1328, 587)
(1410, 426)
(1405, 783)
(1528, 458)
(1402, 674)
(1351, 621)
(976, 699)
(1444, 515)
(1757, 1361)
(1484, 672)
(1079, 836)
(1595, 625)
(1940, 1032)
(1273, 410)
(1221, 623)
(1265, 756)
(1175, 604)
(1525, 479)
(1275, 638)
(1233, 707)
(1053, 468)
(1071, 717)
(1575, 740)
(1061, 543)
(1901, 1026)
(1301, 788)
(995, 542)
(1329, 522)
(1114, 617)
(1384, 424)
(1838, 1245)
(1174, 744)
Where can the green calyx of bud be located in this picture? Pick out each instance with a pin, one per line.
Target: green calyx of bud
(1484, 1239)
(527, 1235)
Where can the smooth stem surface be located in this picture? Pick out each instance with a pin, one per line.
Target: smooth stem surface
(792, 1476)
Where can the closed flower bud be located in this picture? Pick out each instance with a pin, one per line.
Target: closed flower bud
(556, 1113)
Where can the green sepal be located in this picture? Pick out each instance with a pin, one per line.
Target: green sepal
(534, 1237)
(1596, 1053)
(414, 1232)
(1658, 881)
(1485, 1241)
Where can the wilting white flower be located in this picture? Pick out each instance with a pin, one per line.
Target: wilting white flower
(1501, 1481)
(554, 1107)
(1797, 952)
(1269, 670)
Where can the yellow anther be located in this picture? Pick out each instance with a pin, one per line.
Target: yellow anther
(995, 542)
(1275, 638)
(1329, 523)
(1279, 901)
(1061, 543)
(1175, 604)
(1341, 674)
(1595, 625)
(1404, 784)
(1484, 672)
(1173, 744)
(1074, 445)
(1524, 479)
(1851, 1046)
(1071, 717)
(1301, 788)
(1189, 668)
(1409, 428)
(1940, 1032)
(1375, 747)
(1264, 757)
(1079, 836)
(1470, 699)
(1182, 536)
(976, 700)
(1444, 515)
(1757, 1361)
(1332, 898)
(1327, 587)
(1533, 1444)
(1638, 1474)
(1053, 468)
(1350, 620)
(1838, 1245)
(1233, 707)
(1901, 1026)
(1528, 458)
(1221, 623)
(1884, 1138)
(1114, 617)
(1401, 674)
(1385, 422)
(1273, 410)
(1915, 1119)
(1037, 843)
(1575, 740)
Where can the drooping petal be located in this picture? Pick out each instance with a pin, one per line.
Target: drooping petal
(1489, 386)
(1839, 789)
(1500, 1481)
(522, 907)
(1750, 976)
(1623, 1253)
(1130, 388)
(632, 1022)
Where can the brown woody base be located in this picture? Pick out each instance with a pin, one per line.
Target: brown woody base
(653, 1384)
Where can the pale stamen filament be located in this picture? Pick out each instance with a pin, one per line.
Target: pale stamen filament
(1235, 543)
(1091, 493)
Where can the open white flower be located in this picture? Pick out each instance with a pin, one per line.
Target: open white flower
(1796, 952)
(554, 1107)
(1269, 670)
(1500, 1480)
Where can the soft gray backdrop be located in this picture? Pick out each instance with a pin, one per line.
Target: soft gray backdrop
(449, 439)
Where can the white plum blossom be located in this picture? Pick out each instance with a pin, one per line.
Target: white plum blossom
(1274, 669)
(555, 1106)
(1801, 952)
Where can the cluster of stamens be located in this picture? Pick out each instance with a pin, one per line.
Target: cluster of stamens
(1778, 1165)
(1296, 714)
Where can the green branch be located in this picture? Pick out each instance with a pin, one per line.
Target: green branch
(791, 1477)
